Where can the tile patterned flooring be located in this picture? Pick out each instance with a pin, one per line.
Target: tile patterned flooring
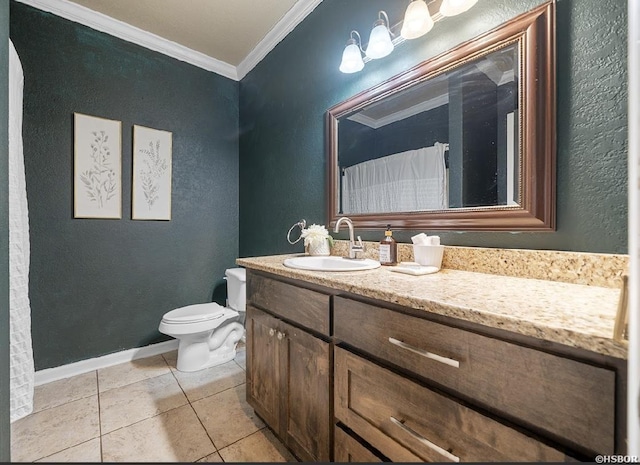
(146, 411)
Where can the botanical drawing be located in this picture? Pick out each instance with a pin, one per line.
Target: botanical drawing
(97, 172)
(155, 167)
(151, 198)
(100, 181)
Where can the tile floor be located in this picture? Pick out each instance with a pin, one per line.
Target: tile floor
(146, 411)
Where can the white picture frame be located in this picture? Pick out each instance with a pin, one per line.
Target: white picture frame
(97, 173)
(152, 158)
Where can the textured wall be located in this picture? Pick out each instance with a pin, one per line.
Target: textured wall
(101, 286)
(283, 100)
(5, 431)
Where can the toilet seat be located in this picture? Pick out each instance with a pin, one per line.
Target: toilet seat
(197, 313)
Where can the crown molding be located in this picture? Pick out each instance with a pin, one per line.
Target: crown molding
(401, 114)
(298, 12)
(101, 22)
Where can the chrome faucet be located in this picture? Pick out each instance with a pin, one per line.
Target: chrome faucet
(354, 249)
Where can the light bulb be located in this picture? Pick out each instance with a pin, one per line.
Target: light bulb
(380, 44)
(455, 7)
(351, 58)
(417, 20)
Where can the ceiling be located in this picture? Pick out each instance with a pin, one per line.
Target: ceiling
(225, 36)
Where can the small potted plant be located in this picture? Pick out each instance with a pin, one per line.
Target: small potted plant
(317, 240)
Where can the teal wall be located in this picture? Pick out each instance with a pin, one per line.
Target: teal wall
(101, 286)
(283, 101)
(5, 431)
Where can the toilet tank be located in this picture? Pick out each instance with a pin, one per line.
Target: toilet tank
(237, 288)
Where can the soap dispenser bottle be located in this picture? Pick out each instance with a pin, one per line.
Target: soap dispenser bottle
(388, 248)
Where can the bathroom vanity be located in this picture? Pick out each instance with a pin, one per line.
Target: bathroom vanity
(454, 366)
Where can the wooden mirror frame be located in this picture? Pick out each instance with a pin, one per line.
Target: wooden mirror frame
(534, 35)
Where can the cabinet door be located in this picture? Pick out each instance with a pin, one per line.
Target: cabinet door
(306, 428)
(263, 371)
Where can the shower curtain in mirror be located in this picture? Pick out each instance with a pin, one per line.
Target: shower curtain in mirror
(20, 352)
(414, 180)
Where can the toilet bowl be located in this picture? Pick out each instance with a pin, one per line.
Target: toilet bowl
(208, 333)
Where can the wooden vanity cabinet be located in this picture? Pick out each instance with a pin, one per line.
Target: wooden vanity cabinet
(288, 368)
(338, 376)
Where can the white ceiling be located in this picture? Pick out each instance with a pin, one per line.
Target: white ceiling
(225, 36)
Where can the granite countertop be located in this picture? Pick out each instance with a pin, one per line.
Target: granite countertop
(575, 315)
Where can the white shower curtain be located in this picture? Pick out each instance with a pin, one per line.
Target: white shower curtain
(20, 352)
(414, 180)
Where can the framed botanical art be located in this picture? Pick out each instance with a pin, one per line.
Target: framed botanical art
(151, 196)
(97, 174)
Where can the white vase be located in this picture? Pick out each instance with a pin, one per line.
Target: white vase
(319, 248)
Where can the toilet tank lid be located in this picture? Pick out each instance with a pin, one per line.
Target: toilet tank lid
(239, 273)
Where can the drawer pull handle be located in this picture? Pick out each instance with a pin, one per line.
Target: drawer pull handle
(426, 442)
(281, 336)
(272, 332)
(424, 353)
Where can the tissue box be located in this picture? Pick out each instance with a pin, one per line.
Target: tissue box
(428, 255)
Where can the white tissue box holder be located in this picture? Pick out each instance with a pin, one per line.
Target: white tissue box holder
(428, 255)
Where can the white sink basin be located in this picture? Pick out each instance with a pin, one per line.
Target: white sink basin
(330, 263)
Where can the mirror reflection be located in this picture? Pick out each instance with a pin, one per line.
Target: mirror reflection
(447, 142)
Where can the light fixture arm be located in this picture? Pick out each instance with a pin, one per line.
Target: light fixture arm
(358, 42)
(384, 21)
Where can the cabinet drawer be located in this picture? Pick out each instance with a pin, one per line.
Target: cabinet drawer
(408, 422)
(567, 398)
(305, 307)
(348, 450)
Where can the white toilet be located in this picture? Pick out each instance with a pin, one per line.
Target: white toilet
(208, 333)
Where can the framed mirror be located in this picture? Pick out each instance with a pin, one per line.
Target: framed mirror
(463, 141)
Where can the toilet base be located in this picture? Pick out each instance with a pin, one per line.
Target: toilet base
(188, 362)
(212, 350)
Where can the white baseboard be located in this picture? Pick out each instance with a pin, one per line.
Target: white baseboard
(84, 366)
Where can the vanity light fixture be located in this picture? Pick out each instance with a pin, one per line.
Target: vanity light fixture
(455, 7)
(380, 44)
(351, 57)
(417, 20)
